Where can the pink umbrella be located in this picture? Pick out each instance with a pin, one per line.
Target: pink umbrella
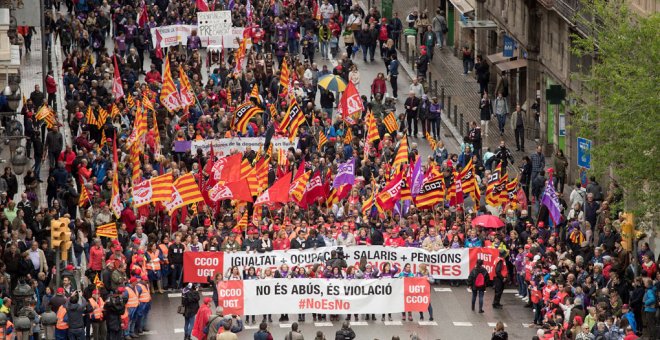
(488, 221)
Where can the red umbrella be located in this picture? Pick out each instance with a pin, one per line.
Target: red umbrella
(488, 221)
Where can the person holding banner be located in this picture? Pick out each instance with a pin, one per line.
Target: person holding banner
(424, 272)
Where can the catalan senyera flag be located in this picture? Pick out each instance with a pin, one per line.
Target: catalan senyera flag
(372, 129)
(141, 127)
(107, 230)
(84, 196)
(243, 222)
(391, 123)
(492, 193)
(248, 173)
(285, 76)
(322, 139)
(273, 110)
(261, 171)
(114, 112)
(501, 189)
(242, 115)
(185, 191)
(103, 116)
(97, 282)
(512, 190)
(155, 189)
(348, 138)
(402, 153)
(282, 160)
(297, 118)
(115, 198)
(255, 93)
(46, 114)
(432, 192)
(136, 177)
(432, 142)
(91, 117)
(297, 188)
(169, 95)
(469, 182)
(367, 205)
(130, 101)
(156, 134)
(147, 104)
(187, 94)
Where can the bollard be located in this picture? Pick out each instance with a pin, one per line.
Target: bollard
(442, 93)
(455, 114)
(462, 125)
(448, 107)
(435, 82)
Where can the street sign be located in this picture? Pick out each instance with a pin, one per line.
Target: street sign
(508, 47)
(213, 24)
(584, 153)
(562, 125)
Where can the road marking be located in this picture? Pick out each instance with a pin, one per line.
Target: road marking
(174, 295)
(510, 291)
(250, 326)
(359, 323)
(428, 323)
(462, 324)
(285, 325)
(323, 324)
(493, 324)
(150, 333)
(393, 323)
(178, 330)
(469, 290)
(207, 293)
(442, 290)
(528, 325)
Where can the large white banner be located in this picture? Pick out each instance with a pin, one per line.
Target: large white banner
(444, 264)
(274, 296)
(174, 35)
(223, 146)
(214, 24)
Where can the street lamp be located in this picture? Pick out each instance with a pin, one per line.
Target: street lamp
(12, 92)
(19, 160)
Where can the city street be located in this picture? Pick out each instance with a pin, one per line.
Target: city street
(453, 319)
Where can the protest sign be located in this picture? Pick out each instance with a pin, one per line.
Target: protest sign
(174, 35)
(274, 296)
(197, 266)
(223, 146)
(213, 24)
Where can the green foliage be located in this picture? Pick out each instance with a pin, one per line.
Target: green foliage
(619, 106)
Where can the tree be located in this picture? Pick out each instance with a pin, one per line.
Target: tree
(619, 107)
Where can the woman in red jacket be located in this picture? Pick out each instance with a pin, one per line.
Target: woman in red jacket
(379, 85)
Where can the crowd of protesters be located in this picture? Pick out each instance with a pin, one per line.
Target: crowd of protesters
(575, 274)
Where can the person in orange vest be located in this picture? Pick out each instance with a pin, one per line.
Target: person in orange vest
(145, 304)
(501, 273)
(154, 259)
(10, 331)
(165, 263)
(61, 327)
(96, 316)
(132, 294)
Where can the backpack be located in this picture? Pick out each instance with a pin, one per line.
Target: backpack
(382, 33)
(480, 280)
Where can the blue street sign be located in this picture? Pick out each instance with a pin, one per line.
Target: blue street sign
(508, 46)
(464, 19)
(584, 153)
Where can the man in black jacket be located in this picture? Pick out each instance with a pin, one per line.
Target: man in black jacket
(478, 280)
(175, 257)
(498, 282)
(75, 309)
(411, 105)
(112, 312)
(345, 333)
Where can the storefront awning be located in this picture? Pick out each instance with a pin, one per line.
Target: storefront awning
(512, 65)
(477, 24)
(497, 58)
(463, 6)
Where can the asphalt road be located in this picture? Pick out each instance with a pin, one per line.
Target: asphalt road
(453, 319)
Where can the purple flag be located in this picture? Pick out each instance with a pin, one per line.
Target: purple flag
(345, 174)
(417, 178)
(551, 201)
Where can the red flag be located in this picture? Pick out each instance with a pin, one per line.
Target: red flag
(210, 161)
(277, 193)
(314, 190)
(457, 188)
(143, 16)
(239, 190)
(159, 49)
(117, 88)
(390, 194)
(227, 169)
(202, 6)
(350, 103)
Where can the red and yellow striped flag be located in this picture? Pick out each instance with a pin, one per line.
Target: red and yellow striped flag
(348, 138)
(401, 154)
(296, 118)
(161, 187)
(46, 114)
(390, 122)
(432, 192)
(187, 94)
(255, 93)
(297, 188)
(273, 110)
(147, 104)
(103, 116)
(169, 96)
(256, 215)
(156, 134)
(136, 177)
(285, 76)
(242, 115)
(243, 222)
(130, 101)
(432, 142)
(261, 170)
(322, 140)
(372, 129)
(186, 191)
(84, 196)
(107, 230)
(114, 112)
(248, 173)
(91, 117)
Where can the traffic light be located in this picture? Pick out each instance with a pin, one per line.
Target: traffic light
(60, 236)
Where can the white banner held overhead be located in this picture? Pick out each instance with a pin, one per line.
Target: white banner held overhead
(174, 35)
(223, 146)
(213, 24)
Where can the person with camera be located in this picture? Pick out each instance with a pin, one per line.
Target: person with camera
(337, 259)
(217, 322)
(112, 314)
(345, 333)
(190, 302)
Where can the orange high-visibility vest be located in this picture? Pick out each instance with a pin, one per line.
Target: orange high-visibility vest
(10, 335)
(61, 324)
(97, 314)
(154, 263)
(145, 296)
(133, 300)
(165, 251)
